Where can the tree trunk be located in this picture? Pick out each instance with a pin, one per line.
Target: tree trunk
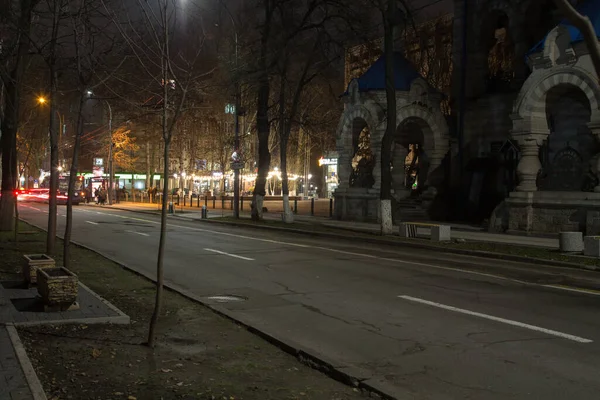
(51, 236)
(583, 23)
(72, 180)
(386, 143)
(10, 122)
(161, 252)
(262, 121)
(288, 215)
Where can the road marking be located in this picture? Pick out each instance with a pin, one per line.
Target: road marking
(394, 260)
(93, 223)
(498, 319)
(229, 254)
(138, 233)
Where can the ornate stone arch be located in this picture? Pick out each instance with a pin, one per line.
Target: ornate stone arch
(436, 137)
(530, 105)
(351, 113)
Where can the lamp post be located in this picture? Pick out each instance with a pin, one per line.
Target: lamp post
(236, 115)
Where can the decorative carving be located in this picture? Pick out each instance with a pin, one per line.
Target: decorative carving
(566, 173)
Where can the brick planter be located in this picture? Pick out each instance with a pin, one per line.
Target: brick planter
(34, 261)
(58, 287)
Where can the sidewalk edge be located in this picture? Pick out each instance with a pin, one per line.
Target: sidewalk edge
(31, 377)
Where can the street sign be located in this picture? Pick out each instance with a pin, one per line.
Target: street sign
(237, 165)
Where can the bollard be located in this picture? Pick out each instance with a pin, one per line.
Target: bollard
(312, 207)
(204, 212)
(214, 202)
(184, 200)
(330, 208)
(171, 209)
(296, 205)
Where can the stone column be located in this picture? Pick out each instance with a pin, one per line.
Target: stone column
(529, 165)
(344, 168)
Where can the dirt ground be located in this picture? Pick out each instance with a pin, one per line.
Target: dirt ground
(200, 355)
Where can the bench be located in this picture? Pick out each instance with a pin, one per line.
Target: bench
(439, 233)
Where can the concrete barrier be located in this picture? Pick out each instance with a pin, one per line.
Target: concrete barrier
(440, 233)
(591, 246)
(570, 242)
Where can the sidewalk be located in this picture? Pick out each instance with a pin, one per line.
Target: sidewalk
(13, 384)
(459, 231)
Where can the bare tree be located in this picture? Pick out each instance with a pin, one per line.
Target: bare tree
(583, 23)
(172, 66)
(13, 57)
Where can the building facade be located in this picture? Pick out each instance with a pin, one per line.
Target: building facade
(513, 143)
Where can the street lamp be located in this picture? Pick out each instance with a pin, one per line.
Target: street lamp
(236, 114)
(41, 100)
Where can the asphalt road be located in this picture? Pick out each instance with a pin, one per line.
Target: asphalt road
(418, 325)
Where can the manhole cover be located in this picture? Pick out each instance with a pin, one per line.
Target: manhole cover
(226, 298)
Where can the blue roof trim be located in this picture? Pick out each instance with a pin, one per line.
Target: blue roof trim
(374, 78)
(591, 9)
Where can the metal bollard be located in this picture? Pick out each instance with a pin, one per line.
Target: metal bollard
(296, 205)
(204, 212)
(171, 208)
(184, 200)
(312, 207)
(330, 208)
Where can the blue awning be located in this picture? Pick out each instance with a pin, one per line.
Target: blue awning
(591, 9)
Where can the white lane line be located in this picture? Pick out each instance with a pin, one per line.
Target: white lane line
(93, 223)
(498, 319)
(229, 254)
(369, 256)
(138, 233)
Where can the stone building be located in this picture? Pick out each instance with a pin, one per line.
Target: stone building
(519, 149)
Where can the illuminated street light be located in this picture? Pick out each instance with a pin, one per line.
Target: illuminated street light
(183, 174)
(59, 168)
(41, 100)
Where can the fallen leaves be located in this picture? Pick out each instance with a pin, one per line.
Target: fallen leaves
(96, 353)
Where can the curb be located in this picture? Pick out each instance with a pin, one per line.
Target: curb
(33, 382)
(380, 240)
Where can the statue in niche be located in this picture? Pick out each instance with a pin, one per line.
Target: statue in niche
(363, 162)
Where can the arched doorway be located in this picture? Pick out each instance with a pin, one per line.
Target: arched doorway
(568, 149)
(410, 161)
(363, 159)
